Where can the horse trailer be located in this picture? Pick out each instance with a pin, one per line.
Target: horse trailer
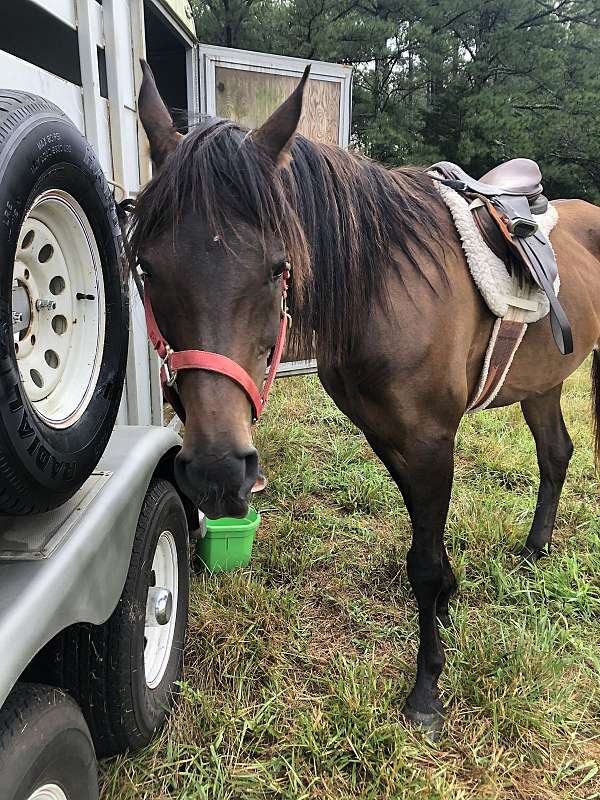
(94, 533)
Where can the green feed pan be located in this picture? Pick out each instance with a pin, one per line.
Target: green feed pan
(228, 542)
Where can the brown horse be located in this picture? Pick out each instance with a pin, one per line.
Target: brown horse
(380, 283)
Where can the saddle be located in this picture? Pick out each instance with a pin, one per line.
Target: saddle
(504, 203)
(517, 177)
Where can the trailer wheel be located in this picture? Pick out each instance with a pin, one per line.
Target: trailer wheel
(124, 673)
(46, 752)
(63, 306)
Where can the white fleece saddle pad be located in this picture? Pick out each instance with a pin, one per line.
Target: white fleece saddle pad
(499, 289)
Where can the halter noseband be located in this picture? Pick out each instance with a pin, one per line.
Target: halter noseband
(173, 361)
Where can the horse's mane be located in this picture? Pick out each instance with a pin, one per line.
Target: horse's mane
(343, 219)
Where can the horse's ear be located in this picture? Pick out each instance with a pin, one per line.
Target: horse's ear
(157, 122)
(276, 134)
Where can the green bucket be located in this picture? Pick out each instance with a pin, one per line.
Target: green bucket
(228, 542)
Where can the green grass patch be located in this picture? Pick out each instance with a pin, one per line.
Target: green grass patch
(297, 667)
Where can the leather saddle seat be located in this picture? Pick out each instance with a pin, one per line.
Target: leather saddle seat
(519, 177)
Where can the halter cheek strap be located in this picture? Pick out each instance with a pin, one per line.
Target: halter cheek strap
(173, 361)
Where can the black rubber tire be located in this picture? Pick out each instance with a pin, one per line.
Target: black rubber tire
(44, 739)
(42, 466)
(102, 666)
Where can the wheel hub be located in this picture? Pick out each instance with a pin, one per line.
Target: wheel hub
(21, 308)
(159, 606)
(58, 308)
(161, 609)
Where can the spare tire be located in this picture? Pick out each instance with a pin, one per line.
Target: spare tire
(63, 307)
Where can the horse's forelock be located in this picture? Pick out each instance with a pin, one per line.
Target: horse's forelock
(217, 169)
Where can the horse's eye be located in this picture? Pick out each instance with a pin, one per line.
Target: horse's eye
(145, 269)
(278, 268)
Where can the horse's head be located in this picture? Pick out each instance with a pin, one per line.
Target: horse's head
(213, 232)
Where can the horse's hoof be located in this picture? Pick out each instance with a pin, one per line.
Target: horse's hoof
(430, 723)
(528, 558)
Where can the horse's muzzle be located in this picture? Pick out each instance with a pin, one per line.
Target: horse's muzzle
(220, 486)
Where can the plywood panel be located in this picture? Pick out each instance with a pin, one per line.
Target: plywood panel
(249, 97)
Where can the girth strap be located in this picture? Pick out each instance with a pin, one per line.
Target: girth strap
(504, 343)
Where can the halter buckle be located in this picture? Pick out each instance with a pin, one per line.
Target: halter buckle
(170, 377)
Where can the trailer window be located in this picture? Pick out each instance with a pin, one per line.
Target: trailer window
(166, 54)
(34, 35)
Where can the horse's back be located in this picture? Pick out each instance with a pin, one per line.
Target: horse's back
(578, 220)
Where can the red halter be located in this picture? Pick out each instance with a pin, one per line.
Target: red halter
(173, 361)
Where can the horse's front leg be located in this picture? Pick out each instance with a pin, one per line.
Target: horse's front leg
(430, 466)
(418, 450)
(398, 469)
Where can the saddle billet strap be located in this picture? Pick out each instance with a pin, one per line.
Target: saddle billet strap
(491, 233)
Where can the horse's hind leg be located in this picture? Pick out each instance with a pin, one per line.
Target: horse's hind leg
(554, 449)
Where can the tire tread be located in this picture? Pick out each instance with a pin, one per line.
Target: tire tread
(23, 705)
(36, 717)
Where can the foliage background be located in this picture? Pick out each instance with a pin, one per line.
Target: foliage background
(464, 80)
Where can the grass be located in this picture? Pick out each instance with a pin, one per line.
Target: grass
(296, 668)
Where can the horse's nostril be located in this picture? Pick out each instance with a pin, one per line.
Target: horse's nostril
(250, 471)
(251, 462)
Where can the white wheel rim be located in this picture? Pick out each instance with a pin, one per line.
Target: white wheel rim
(158, 639)
(50, 791)
(57, 262)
